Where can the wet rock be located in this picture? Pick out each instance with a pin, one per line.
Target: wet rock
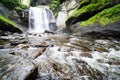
(43, 44)
(81, 46)
(3, 43)
(6, 51)
(85, 70)
(16, 68)
(105, 34)
(1, 47)
(16, 42)
(22, 46)
(5, 33)
(59, 39)
(30, 52)
(49, 32)
(113, 62)
(65, 49)
(38, 52)
(100, 60)
(101, 49)
(13, 53)
(86, 54)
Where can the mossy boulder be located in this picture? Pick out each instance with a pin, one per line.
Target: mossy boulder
(105, 17)
(8, 25)
(90, 12)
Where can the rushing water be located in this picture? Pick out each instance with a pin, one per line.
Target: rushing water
(40, 20)
(69, 57)
(80, 59)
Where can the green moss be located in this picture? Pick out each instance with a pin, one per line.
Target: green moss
(6, 21)
(94, 5)
(55, 6)
(105, 17)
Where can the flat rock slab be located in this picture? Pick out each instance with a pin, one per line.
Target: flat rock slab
(14, 67)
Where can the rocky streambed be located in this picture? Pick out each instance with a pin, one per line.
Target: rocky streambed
(58, 57)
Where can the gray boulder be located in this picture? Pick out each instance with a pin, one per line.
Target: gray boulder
(16, 68)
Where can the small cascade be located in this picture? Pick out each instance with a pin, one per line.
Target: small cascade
(40, 20)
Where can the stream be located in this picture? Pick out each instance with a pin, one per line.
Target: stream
(48, 56)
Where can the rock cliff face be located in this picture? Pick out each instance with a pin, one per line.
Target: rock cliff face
(95, 11)
(91, 15)
(66, 8)
(8, 25)
(13, 12)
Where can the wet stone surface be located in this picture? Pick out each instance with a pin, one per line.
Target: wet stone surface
(58, 57)
(16, 68)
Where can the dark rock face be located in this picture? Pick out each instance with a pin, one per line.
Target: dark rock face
(18, 17)
(4, 25)
(9, 28)
(97, 31)
(40, 2)
(4, 11)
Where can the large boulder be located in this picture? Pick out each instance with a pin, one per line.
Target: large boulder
(16, 68)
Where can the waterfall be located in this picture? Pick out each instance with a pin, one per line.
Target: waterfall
(40, 20)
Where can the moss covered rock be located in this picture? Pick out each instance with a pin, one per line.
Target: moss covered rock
(105, 17)
(95, 11)
(8, 25)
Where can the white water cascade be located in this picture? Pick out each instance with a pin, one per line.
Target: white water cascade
(40, 20)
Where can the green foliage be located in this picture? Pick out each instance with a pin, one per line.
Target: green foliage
(105, 17)
(12, 4)
(55, 6)
(6, 21)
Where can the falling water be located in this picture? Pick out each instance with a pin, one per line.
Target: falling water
(39, 19)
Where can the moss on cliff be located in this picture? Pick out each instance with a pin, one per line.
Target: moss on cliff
(90, 12)
(94, 5)
(105, 17)
(6, 21)
(8, 25)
